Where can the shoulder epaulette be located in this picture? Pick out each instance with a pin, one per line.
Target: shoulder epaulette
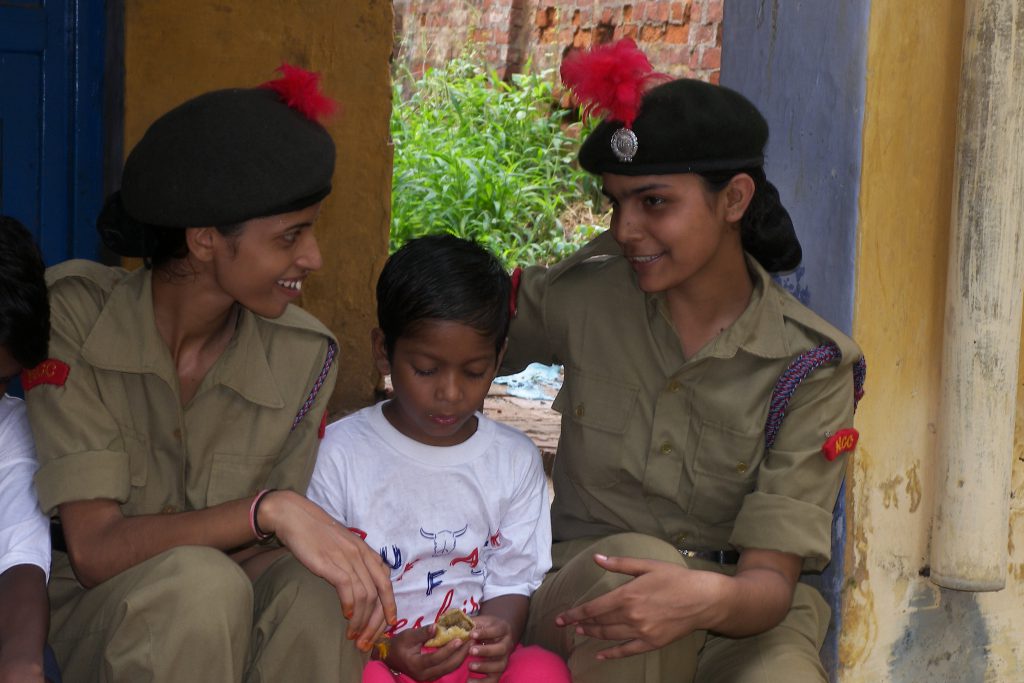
(600, 249)
(804, 364)
(332, 350)
(104, 277)
(298, 318)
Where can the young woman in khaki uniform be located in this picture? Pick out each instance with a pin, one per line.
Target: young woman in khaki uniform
(178, 418)
(681, 525)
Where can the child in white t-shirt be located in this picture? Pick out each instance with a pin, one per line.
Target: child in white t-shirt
(455, 503)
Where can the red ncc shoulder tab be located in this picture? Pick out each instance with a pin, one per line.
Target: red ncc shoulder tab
(843, 441)
(50, 371)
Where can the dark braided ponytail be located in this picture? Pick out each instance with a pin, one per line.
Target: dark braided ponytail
(766, 230)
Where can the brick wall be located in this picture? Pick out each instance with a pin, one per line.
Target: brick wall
(681, 37)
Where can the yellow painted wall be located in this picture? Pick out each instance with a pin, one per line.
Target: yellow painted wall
(897, 625)
(175, 49)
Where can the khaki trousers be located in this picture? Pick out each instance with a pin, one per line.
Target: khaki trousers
(191, 614)
(787, 653)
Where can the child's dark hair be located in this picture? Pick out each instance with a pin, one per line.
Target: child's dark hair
(442, 277)
(24, 306)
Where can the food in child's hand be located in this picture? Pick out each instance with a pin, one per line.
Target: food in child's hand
(453, 624)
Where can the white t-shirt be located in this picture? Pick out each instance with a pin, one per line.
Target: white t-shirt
(458, 525)
(24, 530)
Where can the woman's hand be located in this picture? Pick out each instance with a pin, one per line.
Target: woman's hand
(406, 654)
(665, 601)
(492, 644)
(341, 558)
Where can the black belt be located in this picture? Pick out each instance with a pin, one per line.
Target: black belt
(717, 556)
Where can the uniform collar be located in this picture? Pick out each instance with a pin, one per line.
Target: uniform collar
(244, 367)
(760, 330)
(125, 339)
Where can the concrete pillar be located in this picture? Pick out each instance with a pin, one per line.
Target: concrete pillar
(983, 305)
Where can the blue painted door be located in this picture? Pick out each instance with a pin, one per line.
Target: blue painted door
(51, 132)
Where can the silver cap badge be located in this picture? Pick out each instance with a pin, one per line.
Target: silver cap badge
(624, 144)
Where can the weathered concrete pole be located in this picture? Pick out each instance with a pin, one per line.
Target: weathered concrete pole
(983, 305)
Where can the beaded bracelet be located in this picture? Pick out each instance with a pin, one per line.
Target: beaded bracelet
(254, 524)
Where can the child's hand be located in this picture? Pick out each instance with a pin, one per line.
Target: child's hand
(492, 644)
(405, 654)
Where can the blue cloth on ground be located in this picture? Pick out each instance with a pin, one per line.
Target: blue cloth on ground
(537, 382)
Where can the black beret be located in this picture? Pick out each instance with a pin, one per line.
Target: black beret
(683, 126)
(225, 157)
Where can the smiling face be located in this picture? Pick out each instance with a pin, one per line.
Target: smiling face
(264, 265)
(672, 229)
(440, 374)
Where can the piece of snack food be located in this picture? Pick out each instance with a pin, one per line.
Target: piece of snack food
(453, 624)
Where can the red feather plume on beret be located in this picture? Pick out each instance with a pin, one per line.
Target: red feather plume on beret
(300, 90)
(610, 80)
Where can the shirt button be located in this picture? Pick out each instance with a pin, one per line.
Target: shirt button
(177, 434)
(666, 448)
(168, 509)
(741, 467)
(579, 410)
(673, 386)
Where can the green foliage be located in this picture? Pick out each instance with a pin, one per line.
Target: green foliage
(487, 160)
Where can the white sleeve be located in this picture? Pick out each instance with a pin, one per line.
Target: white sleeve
(327, 485)
(522, 556)
(24, 529)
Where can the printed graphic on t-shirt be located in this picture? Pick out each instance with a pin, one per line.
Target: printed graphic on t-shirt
(444, 540)
(440, 570)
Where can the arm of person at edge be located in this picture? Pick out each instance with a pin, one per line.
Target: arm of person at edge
(102, 543)
(26, 617)
(666, 602)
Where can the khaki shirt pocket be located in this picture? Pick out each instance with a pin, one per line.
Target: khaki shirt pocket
(234, 476)
(725, 471)
(596, 412)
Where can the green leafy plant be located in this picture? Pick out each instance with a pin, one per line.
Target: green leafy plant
(489, 160)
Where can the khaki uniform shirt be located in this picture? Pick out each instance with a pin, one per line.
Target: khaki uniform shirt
(116, 428)
(673, 447)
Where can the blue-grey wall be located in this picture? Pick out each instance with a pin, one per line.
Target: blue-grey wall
(803, 63)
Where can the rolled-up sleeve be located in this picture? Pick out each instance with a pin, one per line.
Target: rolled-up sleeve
(791, 507)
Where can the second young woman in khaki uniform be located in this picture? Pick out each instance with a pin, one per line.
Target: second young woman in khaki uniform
(178, 419)
(681, 524)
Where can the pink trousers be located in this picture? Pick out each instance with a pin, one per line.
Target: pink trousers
(526, 664)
